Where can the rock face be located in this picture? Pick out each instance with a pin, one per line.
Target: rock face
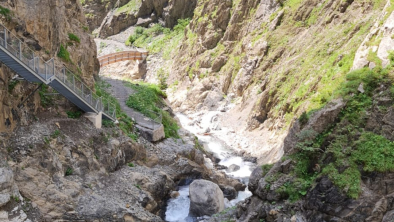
(206, 198)
(8, 187)
(326, 200)
(143, 13)
(44, 26)
(272, 82)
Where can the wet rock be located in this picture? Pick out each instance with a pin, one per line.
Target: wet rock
(206, 198)
(174, 194)
(233, 168)
(254, 179)
(229, 192)
(221, 167)
(249, 159)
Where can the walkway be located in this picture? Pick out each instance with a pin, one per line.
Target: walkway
(151, 130)
(121, 56)
(15, 54)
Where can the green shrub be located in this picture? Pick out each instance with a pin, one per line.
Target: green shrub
(69, 171)
(266, 168)
(44, 98)
(55, 134)
(375, 153)
(64, 54)
(162, 76)
(108, 123)
(125, 122)
(303, 118)
(11, 85)
(130, 164)
(147, 99)
(159, 39)
(5, 12)
(74, 114)
(74, 38)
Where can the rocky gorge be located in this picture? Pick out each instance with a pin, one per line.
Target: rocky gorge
(273, 111)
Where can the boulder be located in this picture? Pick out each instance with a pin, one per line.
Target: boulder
(174, 194)
(233, 168)
(229, 192)
(254, 179)
(206, 198)
(7, 186)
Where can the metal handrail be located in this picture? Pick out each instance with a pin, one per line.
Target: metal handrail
(156, 120)
(47, 72)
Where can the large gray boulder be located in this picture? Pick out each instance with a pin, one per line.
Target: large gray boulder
(206, 198)
(7, 186)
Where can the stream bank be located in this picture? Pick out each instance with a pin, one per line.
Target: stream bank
(227, 161)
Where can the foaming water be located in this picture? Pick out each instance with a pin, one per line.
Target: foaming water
(178, 209)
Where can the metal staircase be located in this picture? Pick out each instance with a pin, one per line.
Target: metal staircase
(15, 54)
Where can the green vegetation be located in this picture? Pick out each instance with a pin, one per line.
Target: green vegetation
(74, 114)
(45, 99)
(131, 7)
(162, 76)
(5, 12)
(108, 123)
(125, 122)
(130, 164)
(15, 198)
(103, 45)
(55, 134)
(346, 142)
(11, 85)
(266, 168)
(159, 39)
(72, 37)
(148, 99)
(64, 54)
(69, 171)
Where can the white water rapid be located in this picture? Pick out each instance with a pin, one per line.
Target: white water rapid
(178, 209)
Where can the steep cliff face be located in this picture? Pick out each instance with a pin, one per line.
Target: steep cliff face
(279, 59)
(47, 24)
(44, 26)
(134, 12)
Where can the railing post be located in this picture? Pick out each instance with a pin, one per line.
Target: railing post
(5, 38)
(53, 63)
(64, 75)
(83, 94)
(91, 98)
(20, 50)
(34, 63)
(73, 83)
